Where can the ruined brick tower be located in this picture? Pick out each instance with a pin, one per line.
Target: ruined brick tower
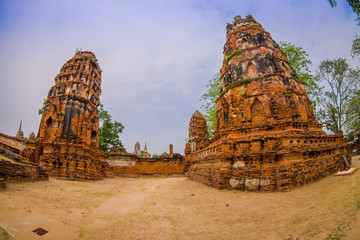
(266, 135)
(198, 133)
(68, 137)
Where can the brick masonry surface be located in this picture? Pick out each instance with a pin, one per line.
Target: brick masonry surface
(68, 137)
(266, 135)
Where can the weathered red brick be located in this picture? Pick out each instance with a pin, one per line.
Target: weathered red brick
(266, 134)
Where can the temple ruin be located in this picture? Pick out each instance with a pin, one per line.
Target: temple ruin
(137, 150)
(266, 135)
(132, 165)
(67, 144)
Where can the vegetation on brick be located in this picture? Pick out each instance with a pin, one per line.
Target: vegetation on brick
(240, 82)
(233, 54)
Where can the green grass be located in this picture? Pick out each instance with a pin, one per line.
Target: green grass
(239, 82)
(102, 194)
(81, 233)
(99, 194)
(338, 235)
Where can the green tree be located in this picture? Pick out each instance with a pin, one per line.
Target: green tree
(355, 5)
(155, 155)
(342, 82)
(355, 49)
(299, 60)
(209, 106)
(109, 131)
(353, 114)
(164, 154)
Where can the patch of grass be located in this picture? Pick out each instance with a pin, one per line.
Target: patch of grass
(239, 82)
(99, 194)
(338, 235)
(81, 233)
(114, 225)
(4, 235)
(134, 214)
(102, 194)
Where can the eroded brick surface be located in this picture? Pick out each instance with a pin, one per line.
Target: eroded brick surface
(126, 164)
(266, 136)
(68, 137)
(21, 172)
(2, 183)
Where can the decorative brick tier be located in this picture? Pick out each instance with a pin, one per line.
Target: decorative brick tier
(266, 135)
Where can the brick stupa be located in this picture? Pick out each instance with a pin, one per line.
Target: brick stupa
(266, 136)
(67, 144)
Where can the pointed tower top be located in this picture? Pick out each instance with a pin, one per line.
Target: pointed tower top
(145, 149)
(20, 126)
(20, 133)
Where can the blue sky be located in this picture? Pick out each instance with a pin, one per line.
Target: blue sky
(156, 56)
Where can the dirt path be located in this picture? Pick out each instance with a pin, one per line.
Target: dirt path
(178, 208)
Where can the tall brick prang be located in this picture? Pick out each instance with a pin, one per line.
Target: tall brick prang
(266, 135)
(68, 137)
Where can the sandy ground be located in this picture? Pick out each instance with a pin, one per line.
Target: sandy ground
(178, 208)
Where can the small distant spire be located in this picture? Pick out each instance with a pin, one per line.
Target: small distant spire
(145, 153)
(145, 149)
(20, 133)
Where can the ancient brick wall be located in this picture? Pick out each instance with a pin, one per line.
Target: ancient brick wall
(2, 183)
(12, 143)
(266, 135)
(19, 172)
(125, 164)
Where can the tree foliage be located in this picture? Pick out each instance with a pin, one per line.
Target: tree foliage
(355, 49)
(342, 83)
(109, 131)
(42, 109)
(299, 60)
(155, 155)
(353, 114)
(209, 106)
(355, 5)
